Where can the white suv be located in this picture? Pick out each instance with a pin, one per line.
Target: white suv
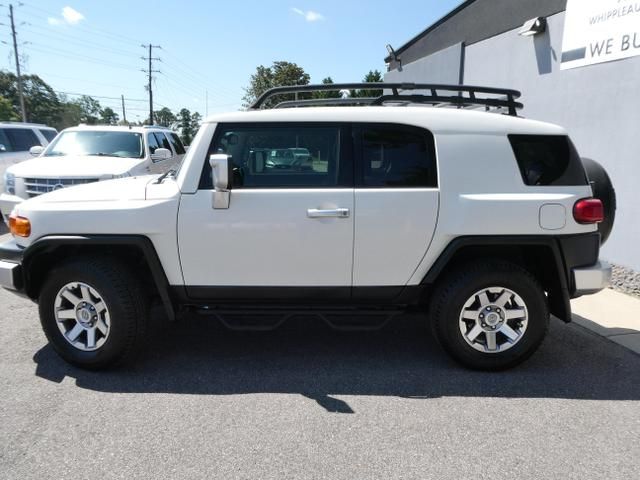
(16, 139)
(487, 222)
(87, 154)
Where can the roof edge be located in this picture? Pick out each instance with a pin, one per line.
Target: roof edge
(430, 28)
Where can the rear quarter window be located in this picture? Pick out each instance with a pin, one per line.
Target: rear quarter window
(548, 160)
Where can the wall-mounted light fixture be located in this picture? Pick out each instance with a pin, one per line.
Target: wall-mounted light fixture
(394, 55)
(533, 27)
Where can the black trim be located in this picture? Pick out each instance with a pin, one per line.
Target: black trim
(321, 296)
(11, 251)
(569, 251)
(48, 244)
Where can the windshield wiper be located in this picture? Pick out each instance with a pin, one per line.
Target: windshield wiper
(103, 154)
(165, 175)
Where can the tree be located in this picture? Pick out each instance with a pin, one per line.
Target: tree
(371, 77)
(164, 117)
(90, 108)
(185, 124)
(109, 117)
(41, 102)
(196, 120)
(7, 112)
(327, 94)
(279, 74)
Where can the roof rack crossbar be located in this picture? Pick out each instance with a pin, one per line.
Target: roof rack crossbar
(465, 95)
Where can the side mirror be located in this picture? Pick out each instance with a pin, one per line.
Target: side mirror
(36, 150)
(220, 170)
(161, 154)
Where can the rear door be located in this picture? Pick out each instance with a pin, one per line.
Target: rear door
(288, 232)
(396, 200)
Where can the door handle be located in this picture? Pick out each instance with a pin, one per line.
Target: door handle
(332, 212)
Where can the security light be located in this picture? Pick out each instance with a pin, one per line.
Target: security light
(533, 27)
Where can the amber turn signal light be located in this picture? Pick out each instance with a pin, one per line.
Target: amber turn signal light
(20, 226)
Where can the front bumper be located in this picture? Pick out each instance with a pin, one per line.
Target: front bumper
(11, 266)
(7, 203)
(588, 280)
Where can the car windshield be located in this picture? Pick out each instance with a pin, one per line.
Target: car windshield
(99, 143)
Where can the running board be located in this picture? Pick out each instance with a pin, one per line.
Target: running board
(269, 318)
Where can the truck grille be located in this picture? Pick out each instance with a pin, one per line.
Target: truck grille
(38, 186)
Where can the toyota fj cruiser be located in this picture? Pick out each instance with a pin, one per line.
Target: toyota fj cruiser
(489, 222)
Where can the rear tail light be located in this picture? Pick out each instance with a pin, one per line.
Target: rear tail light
(588, 210)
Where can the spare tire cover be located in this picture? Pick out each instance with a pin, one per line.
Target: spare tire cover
(602, 189)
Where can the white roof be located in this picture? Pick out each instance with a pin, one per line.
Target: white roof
(438, 120)
(116, 128)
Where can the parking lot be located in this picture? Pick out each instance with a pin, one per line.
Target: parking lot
(307, 402)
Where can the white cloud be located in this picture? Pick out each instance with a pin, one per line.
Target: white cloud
(309, 16)
(53, 21)
(71, 16)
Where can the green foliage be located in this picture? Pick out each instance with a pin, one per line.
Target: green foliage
(164, 117)
(90, 108)
(328, 94)
(41, 102)
(109, 117)
(371, 77)
(185, 124)
(279, 74)
(7, 112)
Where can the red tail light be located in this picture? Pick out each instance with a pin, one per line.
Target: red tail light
(588, 210)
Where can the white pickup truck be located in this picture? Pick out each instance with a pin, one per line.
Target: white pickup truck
(486, 221)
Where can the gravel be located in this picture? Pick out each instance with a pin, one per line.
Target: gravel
(625, 280)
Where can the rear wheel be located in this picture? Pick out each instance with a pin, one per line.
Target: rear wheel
(489, 315)
(93, 312)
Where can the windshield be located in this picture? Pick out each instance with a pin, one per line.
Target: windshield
(100, 143)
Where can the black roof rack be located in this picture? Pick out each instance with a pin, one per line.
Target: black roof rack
(434, 94)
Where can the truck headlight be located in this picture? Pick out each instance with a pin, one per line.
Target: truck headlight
(10, 183)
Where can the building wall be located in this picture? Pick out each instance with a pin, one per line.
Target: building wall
(441, 67)
(598, 104)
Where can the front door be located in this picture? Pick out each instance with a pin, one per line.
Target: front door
(288, 230)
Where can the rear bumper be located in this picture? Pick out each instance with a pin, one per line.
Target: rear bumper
(588, 280)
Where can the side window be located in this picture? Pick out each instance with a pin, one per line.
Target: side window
(396, 156)
(177, 144)
(162, 140)
(22, 139)
(548, 160)
(5, 143)
(153, 143)
(280, 155)
(48, 134)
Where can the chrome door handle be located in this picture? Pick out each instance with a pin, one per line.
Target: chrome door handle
(332, 212)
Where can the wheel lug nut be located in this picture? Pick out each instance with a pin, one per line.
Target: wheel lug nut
(482, 315)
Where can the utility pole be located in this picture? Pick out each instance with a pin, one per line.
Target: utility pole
(124, 113)
(150, 73)
(15, 52)
(206, 103)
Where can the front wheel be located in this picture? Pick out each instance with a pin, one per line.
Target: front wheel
(489, 315)
(93, 312)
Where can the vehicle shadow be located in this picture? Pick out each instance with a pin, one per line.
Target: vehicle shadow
(303, 357)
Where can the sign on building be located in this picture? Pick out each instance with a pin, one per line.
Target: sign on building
(597, 31)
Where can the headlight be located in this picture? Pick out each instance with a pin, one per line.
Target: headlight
(124, 175)
(10, 183)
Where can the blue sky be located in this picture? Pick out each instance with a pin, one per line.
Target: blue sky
(93, 47)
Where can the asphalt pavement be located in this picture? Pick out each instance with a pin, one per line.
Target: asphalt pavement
(307, 402)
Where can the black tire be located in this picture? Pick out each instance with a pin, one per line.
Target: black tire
(123, 296)
(602, 188)
(451, 294)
